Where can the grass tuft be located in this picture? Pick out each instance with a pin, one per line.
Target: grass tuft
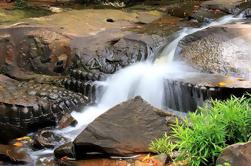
(201, 137)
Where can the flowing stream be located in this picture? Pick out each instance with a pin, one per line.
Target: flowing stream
(145, 79)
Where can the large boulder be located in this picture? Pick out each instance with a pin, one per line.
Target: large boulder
(221, 49)
(236, 155)
(126, 129)
(27, 106)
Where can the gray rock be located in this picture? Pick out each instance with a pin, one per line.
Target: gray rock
(126, 129)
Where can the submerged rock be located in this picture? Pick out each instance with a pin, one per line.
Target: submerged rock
(126, 129)
(236, 155)
(13, 154)
(46, 138)
(221, 49)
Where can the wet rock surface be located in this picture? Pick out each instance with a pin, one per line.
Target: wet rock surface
(126, 129)
(139, 160)
(43, 63)
(50, 72)
(41, 50)
(109, 55)
(46, 138)
(220, 49)
(236, 155)
(227, 6)
(13, 154)
(189, 93)
(27, 106)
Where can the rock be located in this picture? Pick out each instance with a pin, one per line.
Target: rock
(65, 150)
(139, 160)
(184, 9)
(236, 155)
(107, 53)
(9, 132)
(28, 106)
(13, 154)
(191, 92)
(113, 3)
(221, 49)
(203, 15)
(247, 13)
(93, 162)
(46, 160)
(46, 138)
(38, 49)
(55, 9)
(228, 6)
(126, 129)
(66, 121)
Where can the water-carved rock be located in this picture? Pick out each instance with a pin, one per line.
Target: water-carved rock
(189, 93)
(27, 106)
(46, 138)
(126, 129)
(221, 49)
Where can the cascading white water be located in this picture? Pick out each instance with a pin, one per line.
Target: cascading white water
(143, 79)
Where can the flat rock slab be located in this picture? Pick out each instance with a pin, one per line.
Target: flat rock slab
(126, 129)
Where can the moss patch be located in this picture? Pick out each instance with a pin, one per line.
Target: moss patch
(14, 15)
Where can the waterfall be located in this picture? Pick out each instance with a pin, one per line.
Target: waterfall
(143, 79)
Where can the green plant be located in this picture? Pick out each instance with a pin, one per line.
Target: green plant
(20, 4)
(163, 145)
(203, 134)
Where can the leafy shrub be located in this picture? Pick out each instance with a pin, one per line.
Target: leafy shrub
(163, 145)
(202, 136)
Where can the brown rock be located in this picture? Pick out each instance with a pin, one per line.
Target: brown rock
(126, 129)
(10, 153)
(142, 160)
(93, 162)
(236, 155)
(45, 138)
(66, 121)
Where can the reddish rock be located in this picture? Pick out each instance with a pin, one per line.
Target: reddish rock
(66, 121)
